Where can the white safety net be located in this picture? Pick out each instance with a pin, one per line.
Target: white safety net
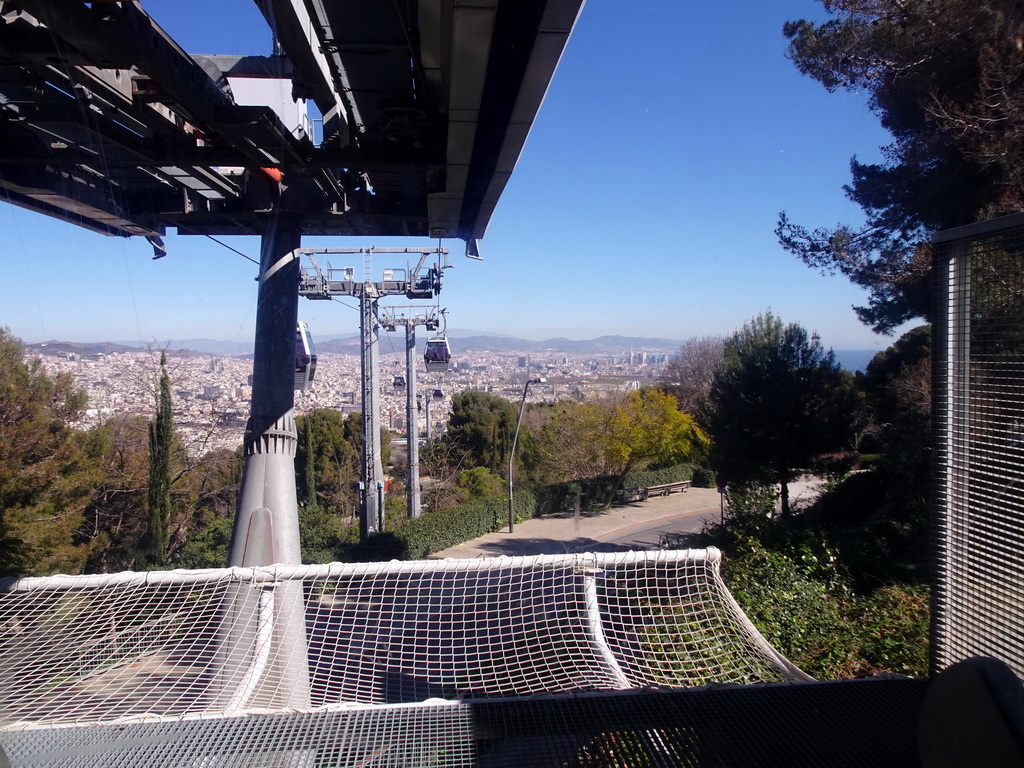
(312, 653)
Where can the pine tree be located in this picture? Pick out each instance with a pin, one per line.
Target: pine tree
(779, 401)
(47, 468)
(161, 438)
(946, 79)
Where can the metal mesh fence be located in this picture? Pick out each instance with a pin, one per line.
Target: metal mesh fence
(837, 724)
(978, 600)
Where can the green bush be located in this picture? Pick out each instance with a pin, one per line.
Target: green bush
(868, 460)
(879, 540)
(323, 534)
(378, 547)
(438, 530)
(704, 477)
(892, 626)
(593, 492)
(796, 614)
(750, 509)
(480, 482)
(811, 616)
(207, 548)
(551, 499)
(647, 478)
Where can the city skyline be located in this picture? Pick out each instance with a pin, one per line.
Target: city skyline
(643, 204)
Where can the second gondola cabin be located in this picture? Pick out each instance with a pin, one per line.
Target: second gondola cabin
(437, 354)
(305, 357)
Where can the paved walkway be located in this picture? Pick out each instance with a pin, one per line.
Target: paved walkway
(590, 531)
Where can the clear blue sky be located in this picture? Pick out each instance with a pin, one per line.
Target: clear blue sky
(643, 204)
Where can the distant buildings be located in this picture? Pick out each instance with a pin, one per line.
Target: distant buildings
(211, 393)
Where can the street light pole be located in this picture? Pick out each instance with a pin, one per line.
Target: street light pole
(512, 454)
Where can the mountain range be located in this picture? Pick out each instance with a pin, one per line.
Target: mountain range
(460, 340)
(469, 341)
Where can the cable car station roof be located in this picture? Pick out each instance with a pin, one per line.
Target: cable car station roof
(105, 121)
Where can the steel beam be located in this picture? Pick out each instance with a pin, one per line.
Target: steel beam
(296, 31)
(412, 425)
(122, 36)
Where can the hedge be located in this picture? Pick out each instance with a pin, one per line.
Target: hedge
(595, 491)
(434, 531)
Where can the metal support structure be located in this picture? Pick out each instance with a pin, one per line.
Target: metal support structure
(412, 427)
(512, 454)
(371, 503)
(263, 662)
(391, 321)
(412, 282)
(268, 479)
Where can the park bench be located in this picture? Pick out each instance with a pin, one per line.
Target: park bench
(666, 488)
(630, 495)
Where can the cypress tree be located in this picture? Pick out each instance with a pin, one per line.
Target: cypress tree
(161, 436)
(311, 497)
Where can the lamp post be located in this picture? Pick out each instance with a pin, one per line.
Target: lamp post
(512, 453)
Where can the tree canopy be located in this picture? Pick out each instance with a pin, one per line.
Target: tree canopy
(46, 468)
(898, 386)
(689, 374)
(158, 498)
(481, 426)
(617, 434)
(646, 428)
(328, 458)
(779, 401)
(946, 79)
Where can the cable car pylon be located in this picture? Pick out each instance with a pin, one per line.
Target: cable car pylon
(418, 282)
(266, 526)
(391, 320)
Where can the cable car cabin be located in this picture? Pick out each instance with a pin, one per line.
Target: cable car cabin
(437, 355)
(438, 394)
(305, 357)
(398, 382)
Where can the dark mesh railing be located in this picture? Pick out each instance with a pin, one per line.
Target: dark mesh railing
(978, 546)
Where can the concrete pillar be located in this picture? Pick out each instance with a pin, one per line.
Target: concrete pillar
(268, 478)
(263, 658)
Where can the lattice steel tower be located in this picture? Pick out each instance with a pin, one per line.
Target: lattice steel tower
(413, 283)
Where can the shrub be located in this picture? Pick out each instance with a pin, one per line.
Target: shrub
(750, 508)
(880, 540)
(480, 482)
(438, 530)
(835, 465)
(206, 548)
(551, 499)
(868, 461)
(704, 477)
(892, 632)
(378, 547)
(813, 618)
(796, 614)
(647, 478)
(323, 534)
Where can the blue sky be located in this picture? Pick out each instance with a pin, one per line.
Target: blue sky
(644, 202)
